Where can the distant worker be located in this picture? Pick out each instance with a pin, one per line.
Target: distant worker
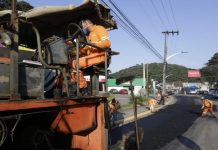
(161, 97)
(96, 35)
(151, 104)
(113, 107)
(207, 106)
(158, 96)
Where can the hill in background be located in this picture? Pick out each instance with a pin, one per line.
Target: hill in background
(155, 70)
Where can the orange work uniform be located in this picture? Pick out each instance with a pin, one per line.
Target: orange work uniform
(151, 103)
(98, 36)
(207, 106)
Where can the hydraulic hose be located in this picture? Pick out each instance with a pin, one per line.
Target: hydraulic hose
(62, 70)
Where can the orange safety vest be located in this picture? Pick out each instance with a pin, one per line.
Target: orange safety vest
(99, 37)
(151, 102)
(207, 103)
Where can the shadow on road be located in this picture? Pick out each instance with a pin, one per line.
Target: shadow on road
(165, 125)
(188, 143)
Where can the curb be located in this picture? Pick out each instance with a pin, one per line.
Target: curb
(122, 122)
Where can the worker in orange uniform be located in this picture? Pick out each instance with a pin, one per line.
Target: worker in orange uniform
(207, 106)
(96, 35)
(151, 104)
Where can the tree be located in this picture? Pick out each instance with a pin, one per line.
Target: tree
(21, 5)
(209, 72)
(155, 71)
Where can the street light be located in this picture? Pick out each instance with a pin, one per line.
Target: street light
(164, 68)
(168, 75)
(182, 52)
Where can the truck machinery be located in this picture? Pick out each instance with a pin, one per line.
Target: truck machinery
(35, 112)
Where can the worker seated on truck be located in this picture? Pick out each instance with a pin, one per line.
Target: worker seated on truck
(96, 35)
(207, 106)
(151, 104)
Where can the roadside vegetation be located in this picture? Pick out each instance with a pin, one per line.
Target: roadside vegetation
(179, 73)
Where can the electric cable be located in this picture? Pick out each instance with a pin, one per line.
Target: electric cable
(171, 8)
(158, 14)
(165, 11)
(128, 26)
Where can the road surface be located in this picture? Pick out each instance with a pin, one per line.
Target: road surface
(177, 127)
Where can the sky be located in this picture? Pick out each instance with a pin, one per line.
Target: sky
(196, 21)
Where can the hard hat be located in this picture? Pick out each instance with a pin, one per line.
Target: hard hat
(202, 97)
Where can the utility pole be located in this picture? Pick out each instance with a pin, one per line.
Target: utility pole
(143, 76)
(147, 92)
(166, 33)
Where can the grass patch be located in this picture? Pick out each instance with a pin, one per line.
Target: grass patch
(126, 106)
(140, 101)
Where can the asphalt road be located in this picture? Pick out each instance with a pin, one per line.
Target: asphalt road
(177, 127)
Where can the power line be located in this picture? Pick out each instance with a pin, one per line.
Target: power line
(136, 30)
(140, 3)
(164, 9)
(171, 8)
(127, 24)
(125, 27)
(132, 32)
(158, 14)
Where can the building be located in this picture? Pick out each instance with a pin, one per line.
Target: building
(137, 83)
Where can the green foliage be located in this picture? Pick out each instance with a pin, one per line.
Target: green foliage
(155, 70)
(213, 61)
(140, 100)
(111, 96)
(21, 5)
(5, 4)
(210, 72)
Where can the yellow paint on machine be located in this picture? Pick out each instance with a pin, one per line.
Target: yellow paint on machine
(23, 48)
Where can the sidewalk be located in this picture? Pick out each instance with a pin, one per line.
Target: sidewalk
(125, 116)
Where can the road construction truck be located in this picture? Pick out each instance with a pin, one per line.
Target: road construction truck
(36, 111)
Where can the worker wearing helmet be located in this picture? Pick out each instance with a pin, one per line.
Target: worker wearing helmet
(207, 106)
(98, 36)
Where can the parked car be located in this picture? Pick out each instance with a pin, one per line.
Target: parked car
(213, 93)
(123, 91)
(202, 92)
(191, 90)
(114, 91)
